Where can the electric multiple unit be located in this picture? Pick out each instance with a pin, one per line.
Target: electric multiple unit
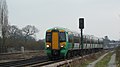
(61, 42)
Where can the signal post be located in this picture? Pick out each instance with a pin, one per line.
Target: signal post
(81, 27)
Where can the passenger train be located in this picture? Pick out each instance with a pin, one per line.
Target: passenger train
(64, 43)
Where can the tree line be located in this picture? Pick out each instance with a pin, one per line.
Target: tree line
(16, 38)
(12, 38)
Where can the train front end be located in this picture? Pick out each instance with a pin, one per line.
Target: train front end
(55, 43)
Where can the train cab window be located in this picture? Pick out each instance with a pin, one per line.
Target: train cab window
(48, 37)
(62, 37)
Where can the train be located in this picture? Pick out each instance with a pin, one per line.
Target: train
(64, 43)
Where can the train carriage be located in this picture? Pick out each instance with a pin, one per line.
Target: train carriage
(63, 43)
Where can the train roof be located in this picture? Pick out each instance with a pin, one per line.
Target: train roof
(65, 29)
(74, 32)
(60, 28)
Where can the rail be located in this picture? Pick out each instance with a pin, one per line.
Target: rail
(44, 62)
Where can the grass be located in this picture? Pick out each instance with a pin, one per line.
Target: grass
(104, 61)
(85, 61)
(118, 56)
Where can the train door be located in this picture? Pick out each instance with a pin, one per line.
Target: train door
(55, 40)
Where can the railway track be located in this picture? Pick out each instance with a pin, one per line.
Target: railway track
(42, 63)
(34, 62)
(31, 64)
(37, 62)
(24, 62)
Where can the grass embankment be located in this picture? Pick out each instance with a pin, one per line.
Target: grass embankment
(85, 61)
(118, 56)
(104, 61)
(90, 59)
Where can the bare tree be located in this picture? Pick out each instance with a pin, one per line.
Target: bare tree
(29, 30)
(3, 22)
(14, 31)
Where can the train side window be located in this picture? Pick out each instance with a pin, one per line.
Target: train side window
(69, 39)
(88, 41)
(84, 39)
(76, 39)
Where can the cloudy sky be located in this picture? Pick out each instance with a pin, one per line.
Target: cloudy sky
(102, 17)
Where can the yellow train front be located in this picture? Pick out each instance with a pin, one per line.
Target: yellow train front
(56, 43)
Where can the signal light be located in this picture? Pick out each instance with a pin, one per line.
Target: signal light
(81, 23)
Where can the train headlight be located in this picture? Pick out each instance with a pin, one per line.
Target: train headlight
(55, 28)
(62, 46)
(47, 45)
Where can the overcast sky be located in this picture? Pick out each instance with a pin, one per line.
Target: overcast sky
(102, 17)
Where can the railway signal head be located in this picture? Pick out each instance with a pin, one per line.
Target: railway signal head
(81, 23)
